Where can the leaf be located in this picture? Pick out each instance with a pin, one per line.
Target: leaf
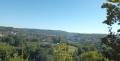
(118, 23)
(113, 0)
(118, 30)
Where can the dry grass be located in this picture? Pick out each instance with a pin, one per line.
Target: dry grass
(72, 49)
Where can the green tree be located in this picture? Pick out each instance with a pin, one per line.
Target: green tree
(114, 0)
(111, 42)
(92, 56)
(14, 58)
(62, 54)
(11, 40)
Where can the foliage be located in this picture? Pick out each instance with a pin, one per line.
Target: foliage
(92, 56)
(111, 42)
(62, 54)
(113, 0)
(14, 58)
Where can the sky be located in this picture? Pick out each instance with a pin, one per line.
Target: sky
(81, 16)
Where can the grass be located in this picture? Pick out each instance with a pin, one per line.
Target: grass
(72, 49)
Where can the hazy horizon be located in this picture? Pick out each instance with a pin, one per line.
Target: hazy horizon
(54, 30)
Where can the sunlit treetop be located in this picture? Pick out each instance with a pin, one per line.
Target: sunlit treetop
(113, 0)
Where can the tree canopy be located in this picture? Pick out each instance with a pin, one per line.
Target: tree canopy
(111, 42)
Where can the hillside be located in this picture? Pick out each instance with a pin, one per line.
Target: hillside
(48, 34)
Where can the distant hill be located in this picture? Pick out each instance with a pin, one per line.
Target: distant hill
(73, 37)
(46, 32)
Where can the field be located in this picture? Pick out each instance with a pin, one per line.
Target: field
(72, 49)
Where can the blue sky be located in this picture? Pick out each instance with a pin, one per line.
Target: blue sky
(82, 16)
